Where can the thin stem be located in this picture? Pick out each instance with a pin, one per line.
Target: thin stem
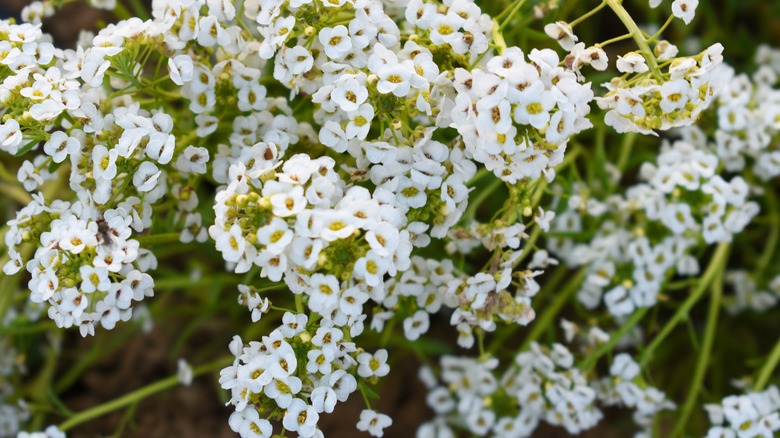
(529, 245)
(121, 12)
(662, 29)
(299, 303)
(139, 394)
(637, 34)
(605, 348)
(510, 10)
(704, 355)
(553, 309)
(511, 15)
(625, 150)
(615, 40)
(481, 341)
(588, 14)
(18, 194)
(769, 367)
(774, 233)
(718, 263)
(480, 198)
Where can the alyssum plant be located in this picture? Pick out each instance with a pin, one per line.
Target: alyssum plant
(379, 162)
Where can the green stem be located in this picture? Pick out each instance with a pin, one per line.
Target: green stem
(471, 210)
(605, 348)
(121, 12)
(139, 394)
(717, 264)
(139, 9)
(588, 14)
(769, 367)
(662, 29)
(299, 303)
(774, 233)
(15, 192)
(529, 245)
(615, 40)
(625, 150)
(553, 309)
(704, 355)
(637, 34)
(511, 11)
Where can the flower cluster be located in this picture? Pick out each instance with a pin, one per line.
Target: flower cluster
(755, 414)
(516, 117)
(648, 100)
(624, 388)
(12, 413)
(85, 265)
(295, 375)
(541, 385)
(387, 163)
(748, 296)
(747, 119)
(682, 199)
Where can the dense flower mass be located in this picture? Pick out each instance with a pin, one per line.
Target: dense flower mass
(358, 173)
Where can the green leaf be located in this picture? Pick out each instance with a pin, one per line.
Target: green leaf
(54, 166)
(27, 148)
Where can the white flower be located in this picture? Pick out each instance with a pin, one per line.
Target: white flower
(47, 110)
(300, 418)
(674, 95)
(93, 279)
(349, 94)
(104, 163)
(360, 122)
(416, 325)
(336, 224)
(342, 383)
(248, 424)
(543, 219)
(383, 239)
(184, 372)
(145, 178)
(373, 365)
(94, 68)
(373, 422)
(323, 399)
(371, 269)
(161, 147)
(336, 41)
(619, 302)
(231, 243)
(288, 203)
(193, 159)
(292, 324)
(394, 78)
(632, 62)
(624, 367)
(298, 60)
(211, 33)
(685, 9)
(10, 136)
(320, 361)
(275, 236)
(324, 293)
(60, 145)
(534, 106)
(181, 69)
(561, 32)
(352, 300)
